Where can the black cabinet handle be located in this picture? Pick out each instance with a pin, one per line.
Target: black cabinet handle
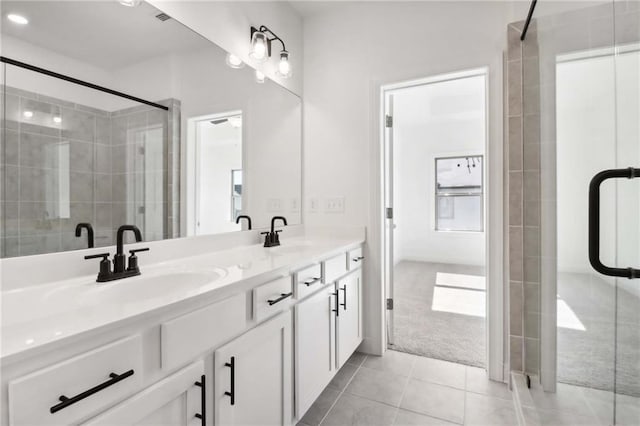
(232, 393)
(203, 399)
(312, 281)
(594, 222)
(337, 309)
(344, 305)
(357, 259)
(279, 299)
(65, 402)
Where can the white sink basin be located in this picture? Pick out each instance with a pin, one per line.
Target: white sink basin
(150, 286)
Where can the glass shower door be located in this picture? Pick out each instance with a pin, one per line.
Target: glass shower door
(627, 125)
(581, 101)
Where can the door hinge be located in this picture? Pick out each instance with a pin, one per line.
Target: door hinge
(388, 121)
(389, 212)
(390, 304)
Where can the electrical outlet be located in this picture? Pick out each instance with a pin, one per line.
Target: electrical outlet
(274, 205)
(314, 205)
(334, 205)
(295, 205)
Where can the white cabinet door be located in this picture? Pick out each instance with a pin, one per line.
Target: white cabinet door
(176, 400)
(254, 376)
(314, 347)
(349, 316)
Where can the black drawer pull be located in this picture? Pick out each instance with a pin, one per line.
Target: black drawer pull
(336, 294)
(65, 402)
(312, 281)
(279, 299)
(344, 305)
(203, 399)
(357, 259)
(232, 394)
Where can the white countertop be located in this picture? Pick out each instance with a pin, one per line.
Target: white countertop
(43, 315)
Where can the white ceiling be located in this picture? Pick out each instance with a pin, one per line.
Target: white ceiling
(102, 33)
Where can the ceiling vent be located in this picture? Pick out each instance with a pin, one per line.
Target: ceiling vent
(163, 17)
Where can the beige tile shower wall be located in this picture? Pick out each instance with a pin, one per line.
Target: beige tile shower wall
(34, 152)
(103, 169)
(523, 148)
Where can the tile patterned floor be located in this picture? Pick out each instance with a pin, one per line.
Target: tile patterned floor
(404, 389)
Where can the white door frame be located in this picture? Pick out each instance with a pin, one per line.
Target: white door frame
(494, 263)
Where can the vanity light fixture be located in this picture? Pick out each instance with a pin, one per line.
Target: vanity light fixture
(260, 77)
(57, 119)
(130, 3)
(27, 114)
(234, 62)
(261, 39)
(17, 19)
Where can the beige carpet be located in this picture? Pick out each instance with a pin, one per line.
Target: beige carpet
(439, 311)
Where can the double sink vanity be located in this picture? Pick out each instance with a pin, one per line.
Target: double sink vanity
(226, 332)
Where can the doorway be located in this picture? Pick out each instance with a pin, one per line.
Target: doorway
(435, 229)
(218, 189)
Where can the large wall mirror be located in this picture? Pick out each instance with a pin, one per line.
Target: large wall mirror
(193, 145)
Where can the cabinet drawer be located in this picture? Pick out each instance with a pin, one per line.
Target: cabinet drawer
(307, 280)
(334, 268)
(271, 298)
(355, 258)
(117, 367)
(188, 336)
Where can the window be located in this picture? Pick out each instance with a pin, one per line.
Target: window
(459, 194)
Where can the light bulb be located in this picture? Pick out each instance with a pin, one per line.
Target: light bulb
(57, 119)
(17, 19)
(234, 62)
(259, 46)
(260, 76)
(130, 3)
(27, 114)
(284, 66)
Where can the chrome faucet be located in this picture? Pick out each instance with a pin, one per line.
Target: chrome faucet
(120, 268)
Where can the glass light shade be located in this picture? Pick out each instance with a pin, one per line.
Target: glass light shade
(259, 47)
(284, 66)
(234, 62)
(260, 76)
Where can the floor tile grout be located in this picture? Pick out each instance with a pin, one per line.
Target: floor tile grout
(344, 389)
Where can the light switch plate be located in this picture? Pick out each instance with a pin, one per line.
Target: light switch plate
(274, 205)
(334, 205)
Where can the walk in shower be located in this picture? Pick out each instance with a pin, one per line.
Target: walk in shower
(577, 74)
(72, 154)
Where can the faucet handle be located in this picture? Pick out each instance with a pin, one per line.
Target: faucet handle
(133, 260)
(104, 256)
(138, 250)
(105, 266)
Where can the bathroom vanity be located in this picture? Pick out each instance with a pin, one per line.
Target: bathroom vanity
(233, 334)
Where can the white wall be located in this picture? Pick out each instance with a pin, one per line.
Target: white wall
(440, 119)
(228, 24)
(350, 50)
(49, 86)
